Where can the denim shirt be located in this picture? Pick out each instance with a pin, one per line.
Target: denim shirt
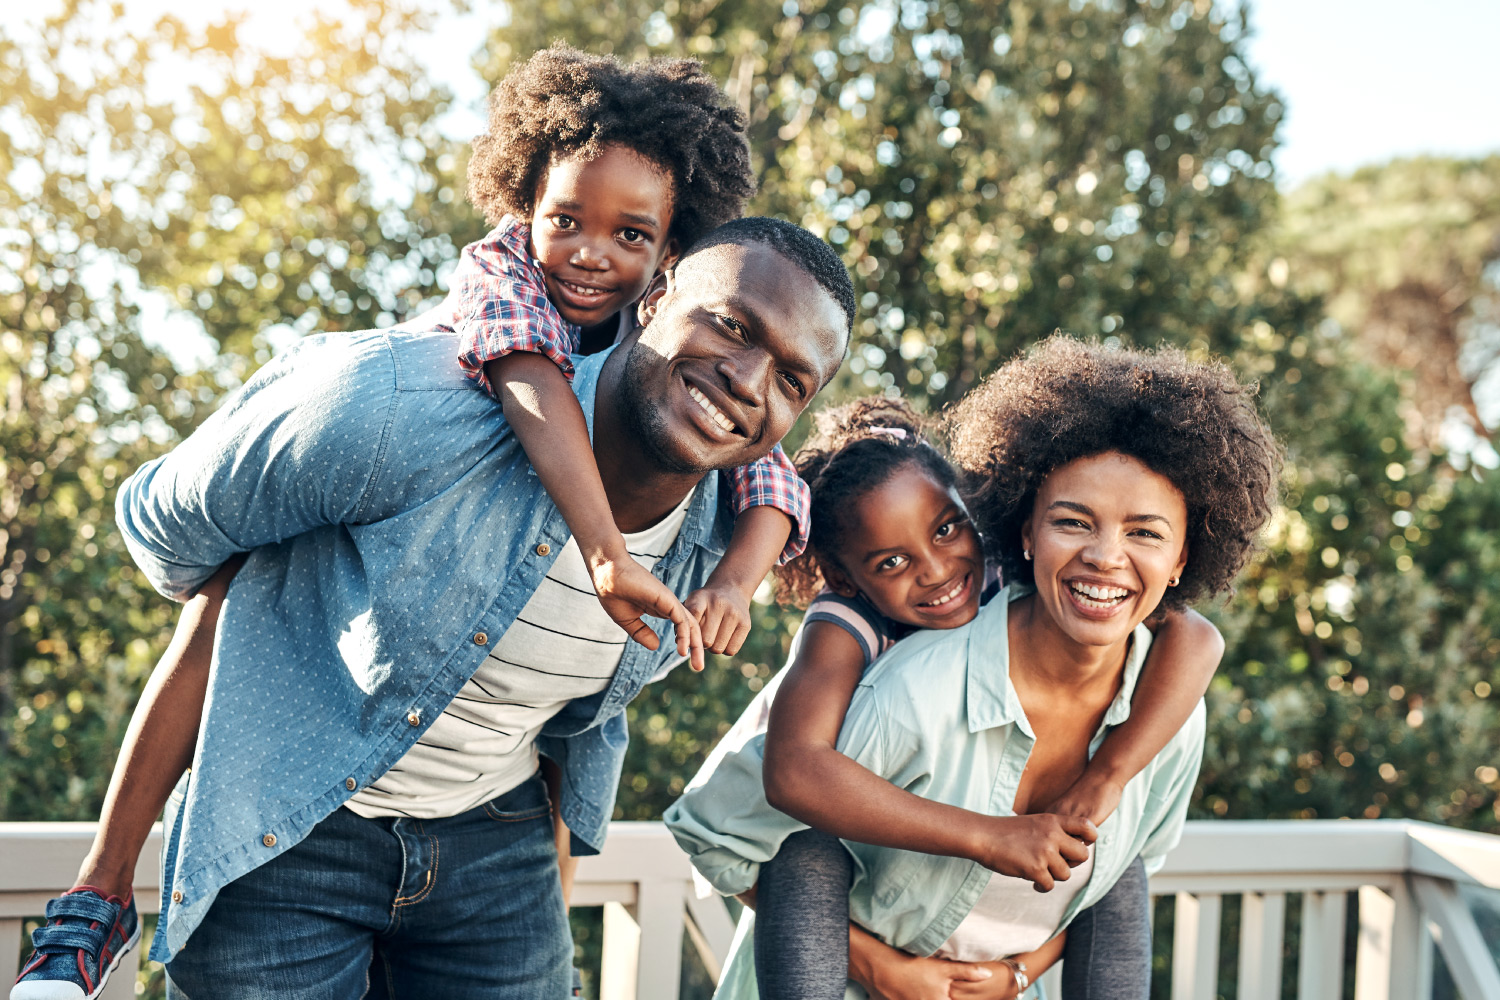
(395, 530)
(938, 717)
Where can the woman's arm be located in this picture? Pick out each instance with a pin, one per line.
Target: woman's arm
(807, 778)
(1183, 658)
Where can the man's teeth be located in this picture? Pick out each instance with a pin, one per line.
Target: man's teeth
(712, 410)
(1091, 596)
(949, 596)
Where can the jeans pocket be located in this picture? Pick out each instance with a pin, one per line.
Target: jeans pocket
(526, 801)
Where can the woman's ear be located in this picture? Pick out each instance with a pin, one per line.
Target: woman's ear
(1028, 539)
(1181, 562)
(660, 286)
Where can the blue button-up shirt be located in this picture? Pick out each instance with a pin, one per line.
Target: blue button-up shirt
(391, 518)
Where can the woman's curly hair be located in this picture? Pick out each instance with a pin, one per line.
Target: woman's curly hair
(1192, 422)
(563, 102)
(853, 449)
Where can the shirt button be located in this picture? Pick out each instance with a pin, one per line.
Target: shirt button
(269, 840)
(176, 895)
(350, 784)
(544, 549)
(413, 719)
(480, 638)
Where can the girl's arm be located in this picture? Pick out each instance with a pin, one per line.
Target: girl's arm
(1182, 660)
(894, 975)
(548, 421)
(807, 778)
(159, 742)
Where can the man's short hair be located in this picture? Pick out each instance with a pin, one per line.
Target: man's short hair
(794, 243)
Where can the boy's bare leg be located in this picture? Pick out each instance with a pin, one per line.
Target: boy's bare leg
(159, 742)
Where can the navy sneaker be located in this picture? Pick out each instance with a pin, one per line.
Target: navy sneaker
(83, 940)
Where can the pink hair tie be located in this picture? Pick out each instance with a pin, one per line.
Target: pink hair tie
(899, 433)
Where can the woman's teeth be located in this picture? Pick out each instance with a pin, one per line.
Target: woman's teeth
(1091, 596)
(951, 595)
(713, 411)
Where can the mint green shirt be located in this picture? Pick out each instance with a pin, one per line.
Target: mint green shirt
(938, 717)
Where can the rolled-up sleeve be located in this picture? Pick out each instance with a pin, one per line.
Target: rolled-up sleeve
(296, 448)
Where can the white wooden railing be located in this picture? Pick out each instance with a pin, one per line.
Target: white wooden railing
(1407, 879)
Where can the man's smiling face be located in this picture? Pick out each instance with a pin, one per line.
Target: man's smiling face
(738, 341)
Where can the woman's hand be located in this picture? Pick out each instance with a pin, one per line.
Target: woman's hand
(908, 977)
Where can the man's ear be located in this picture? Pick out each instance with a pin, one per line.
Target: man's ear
(669, 258)
(660, 286)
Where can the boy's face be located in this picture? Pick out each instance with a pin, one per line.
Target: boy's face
(599, 229)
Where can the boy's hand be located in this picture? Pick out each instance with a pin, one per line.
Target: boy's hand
(627, 591)
(1040, 847)
(723, 614)
(1090, 797)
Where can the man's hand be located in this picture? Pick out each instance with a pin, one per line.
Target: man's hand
(898, 976)
(1041, 847)
(723, 615)
(1090, 797)
(627, 591)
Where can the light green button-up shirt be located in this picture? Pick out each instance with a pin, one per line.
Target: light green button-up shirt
(938, 717)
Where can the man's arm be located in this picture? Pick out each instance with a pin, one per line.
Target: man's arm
(294, 449)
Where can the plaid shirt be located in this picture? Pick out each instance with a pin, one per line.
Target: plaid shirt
(499, 302)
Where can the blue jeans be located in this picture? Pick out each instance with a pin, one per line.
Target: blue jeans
(465, 906)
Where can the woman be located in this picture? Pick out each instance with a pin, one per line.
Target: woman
(1110, 484)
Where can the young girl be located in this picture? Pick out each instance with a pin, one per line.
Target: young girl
(893, 551)
(616, 168)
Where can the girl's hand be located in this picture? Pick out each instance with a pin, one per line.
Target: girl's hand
(899, 976)
(627, 591)
(1090, 797)
(723, 615)
(1040, 847)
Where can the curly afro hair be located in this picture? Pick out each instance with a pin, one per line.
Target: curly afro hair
(1189, 421)
(853, 449)
(563, 102)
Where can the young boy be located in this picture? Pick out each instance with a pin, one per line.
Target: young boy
(617, 168)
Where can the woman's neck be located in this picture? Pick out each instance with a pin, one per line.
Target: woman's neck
(1044, 657)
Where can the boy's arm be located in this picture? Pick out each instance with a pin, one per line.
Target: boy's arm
(770, 503)
(807, 778)
(1183, 658)
(548, 421)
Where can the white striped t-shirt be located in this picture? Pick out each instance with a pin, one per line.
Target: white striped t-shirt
(561, 646)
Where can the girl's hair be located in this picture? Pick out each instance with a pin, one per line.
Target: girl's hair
(563, 102)
(1191, 422)
(853, 449)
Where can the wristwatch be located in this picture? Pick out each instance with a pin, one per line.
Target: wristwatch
(1017, 969)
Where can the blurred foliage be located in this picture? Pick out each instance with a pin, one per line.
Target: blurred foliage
(991, 172)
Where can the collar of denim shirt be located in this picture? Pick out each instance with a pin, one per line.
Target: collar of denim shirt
(991, 699)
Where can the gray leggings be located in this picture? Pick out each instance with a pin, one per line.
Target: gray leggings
(802, 929)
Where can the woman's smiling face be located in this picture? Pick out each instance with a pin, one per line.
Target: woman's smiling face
(1106, 537)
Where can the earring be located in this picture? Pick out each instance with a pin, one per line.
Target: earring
(1026, 554)
(1174, 581)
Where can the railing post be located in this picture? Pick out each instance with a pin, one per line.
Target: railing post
(1195, 946)
(621, 954)
(1262, 929)
(1320, 965)
(10, 948)
(1387, 965)
(1463, 946)
(659, 910)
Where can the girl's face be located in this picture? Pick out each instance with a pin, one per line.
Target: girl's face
(599, 230)
(912, 552)
(1106, 537)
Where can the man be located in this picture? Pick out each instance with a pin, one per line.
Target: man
(400, 639)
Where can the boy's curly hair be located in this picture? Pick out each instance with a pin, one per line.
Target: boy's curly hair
(563, 102)
(1192, 422)
(853, 449)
